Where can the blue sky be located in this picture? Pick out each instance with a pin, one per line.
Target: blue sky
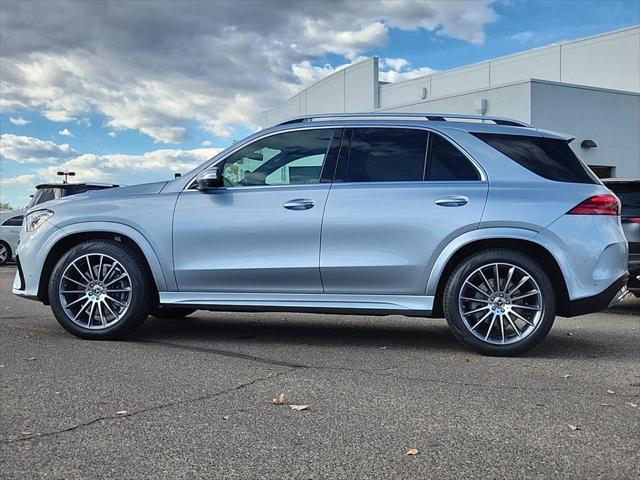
(134, 101)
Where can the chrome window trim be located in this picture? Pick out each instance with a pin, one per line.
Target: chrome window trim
(483, 176)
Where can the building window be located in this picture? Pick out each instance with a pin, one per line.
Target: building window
(602, 171)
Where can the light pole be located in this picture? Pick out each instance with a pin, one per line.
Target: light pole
(66, 174)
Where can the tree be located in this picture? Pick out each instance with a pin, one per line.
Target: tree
(5, 206)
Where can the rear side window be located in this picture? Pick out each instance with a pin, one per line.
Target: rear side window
(549, 158)
(386, 155)
(13, 222)
(447, 163)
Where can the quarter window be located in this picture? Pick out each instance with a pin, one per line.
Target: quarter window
(447, 163)
(386, 155)
(293, 158)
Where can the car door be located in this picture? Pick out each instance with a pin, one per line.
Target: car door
(399, 196)
(260, 232)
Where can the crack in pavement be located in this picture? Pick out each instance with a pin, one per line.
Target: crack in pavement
(143, 410)
(268, 361)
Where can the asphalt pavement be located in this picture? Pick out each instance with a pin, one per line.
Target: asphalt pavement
(192, 398)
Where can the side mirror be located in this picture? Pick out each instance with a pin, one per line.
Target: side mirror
(209, 178)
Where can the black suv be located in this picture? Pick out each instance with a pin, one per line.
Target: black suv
(628, 191)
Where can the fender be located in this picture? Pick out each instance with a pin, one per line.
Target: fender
(111, 227)
(495, 233)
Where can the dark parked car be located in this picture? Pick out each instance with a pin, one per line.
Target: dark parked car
(628, 191)
(52, 191)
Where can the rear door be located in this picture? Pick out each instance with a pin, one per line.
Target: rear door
(399, 196)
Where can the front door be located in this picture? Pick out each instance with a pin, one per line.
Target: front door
(261, 231)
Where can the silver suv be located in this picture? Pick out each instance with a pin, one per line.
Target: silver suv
(490, 222)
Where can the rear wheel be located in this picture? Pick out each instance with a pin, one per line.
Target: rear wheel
(100, 289)
(500, 302)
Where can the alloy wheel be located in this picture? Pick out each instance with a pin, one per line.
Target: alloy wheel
(3, 253)
(95, 291)
(501, 303)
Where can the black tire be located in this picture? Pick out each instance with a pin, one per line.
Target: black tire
(452, 302)
(141, 297)
(170, 312)
(9, 253)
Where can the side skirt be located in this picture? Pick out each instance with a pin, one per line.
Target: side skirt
(411, 305)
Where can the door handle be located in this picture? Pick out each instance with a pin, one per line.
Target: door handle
(299, 204)
(452, 201)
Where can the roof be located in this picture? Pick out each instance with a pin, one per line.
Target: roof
(81, 184)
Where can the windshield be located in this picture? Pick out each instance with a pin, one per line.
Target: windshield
(44, 195)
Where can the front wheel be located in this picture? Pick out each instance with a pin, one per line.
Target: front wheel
(100, 289)
(5, 253)
(500, 302)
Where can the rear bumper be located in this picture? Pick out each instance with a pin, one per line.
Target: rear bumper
(598, 302)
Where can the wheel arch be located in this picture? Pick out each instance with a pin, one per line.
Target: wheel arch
(527, 246)
(72, 237)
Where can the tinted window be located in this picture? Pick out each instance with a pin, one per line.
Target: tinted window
(386, 155)
(292, 158)
(446, 162)
(13, 222)
(547, 157)
(629, 195)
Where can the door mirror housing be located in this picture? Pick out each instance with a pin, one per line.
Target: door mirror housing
(209, 178)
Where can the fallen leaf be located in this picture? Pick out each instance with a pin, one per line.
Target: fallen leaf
(121, 413)
(605, 405)
(2, 365)
(634, 405)
(297, 408)
(412, 452)
(539, 404)
(383, 348)
(467, 360)
(279, 400)
(611, 392)
(631, 384)
(25, 433)
(31, 359)
(569, 334)
(225, 417)
(573, 427)
(566, 376)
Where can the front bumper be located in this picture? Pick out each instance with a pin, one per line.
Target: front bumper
(611, 295)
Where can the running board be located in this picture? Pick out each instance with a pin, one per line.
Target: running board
(307, 302)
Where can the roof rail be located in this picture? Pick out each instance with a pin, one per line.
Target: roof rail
(435, 117)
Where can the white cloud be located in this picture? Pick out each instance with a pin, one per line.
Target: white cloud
(112, 134)
(19, 121)
(395, 76)
(396, 64)
(22, 149)
(159, 70)
(26, 179)
(207, 143)
(523, 37)
(65, 133)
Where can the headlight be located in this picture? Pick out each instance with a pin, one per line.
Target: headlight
(35, 219)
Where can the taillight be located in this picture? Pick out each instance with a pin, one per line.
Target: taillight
(631, 220)
(598, 205)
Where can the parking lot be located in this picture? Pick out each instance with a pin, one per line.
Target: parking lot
(192, 398)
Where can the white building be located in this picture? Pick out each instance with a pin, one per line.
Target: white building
(589, 88)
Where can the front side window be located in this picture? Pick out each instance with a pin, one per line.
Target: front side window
(447, 163)
(293, 158)
(386, 155)
(13, 222)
